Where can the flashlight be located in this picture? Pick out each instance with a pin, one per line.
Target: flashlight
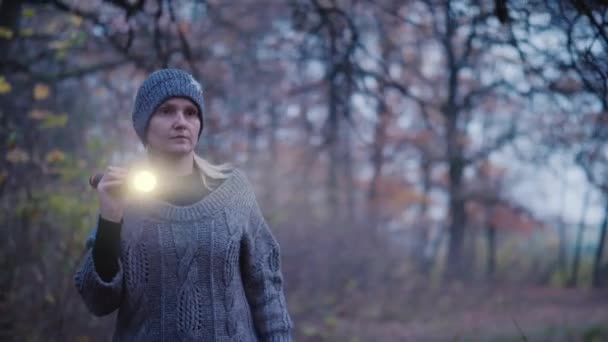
(94, 179)
(142, 181)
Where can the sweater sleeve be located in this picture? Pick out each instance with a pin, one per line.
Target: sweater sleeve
(263, 280)
(101, 294)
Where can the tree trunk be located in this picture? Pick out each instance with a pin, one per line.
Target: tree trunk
(305, 183)
(378, 144)
(424, 262)
(348, 177)
(377, 159)
(491, 264)
(273, 165)
(455, 267)
(561, 233)
(332, 133)
(579, 240)
(345, 141)
(455, 263)
(10, 14)
(600, 249)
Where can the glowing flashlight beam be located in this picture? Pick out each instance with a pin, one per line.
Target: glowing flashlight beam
(144, 181)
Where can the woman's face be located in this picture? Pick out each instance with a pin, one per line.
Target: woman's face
(173, 128)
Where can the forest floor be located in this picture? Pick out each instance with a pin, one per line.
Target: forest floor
(507, 314)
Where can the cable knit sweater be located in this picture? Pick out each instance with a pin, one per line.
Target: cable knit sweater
(208, 271)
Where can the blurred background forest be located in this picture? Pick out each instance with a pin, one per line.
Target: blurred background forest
(433, 169)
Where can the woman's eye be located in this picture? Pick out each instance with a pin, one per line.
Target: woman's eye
(190, 113)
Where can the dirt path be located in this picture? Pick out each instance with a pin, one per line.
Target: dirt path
(532, 314)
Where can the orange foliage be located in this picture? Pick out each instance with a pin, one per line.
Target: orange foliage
(503, 215)
(512, 218)
(490, 171)
(394, 195)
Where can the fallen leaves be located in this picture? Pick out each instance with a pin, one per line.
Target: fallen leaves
(55, 155)
(3, 176)
(38, 114)
(5, 87)
(17, 155)
(76, 20)
(28, 12)
(48, 119)
(55, 120)
(6, 33)
(41, 91)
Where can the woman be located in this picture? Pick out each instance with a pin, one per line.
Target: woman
(194, 262)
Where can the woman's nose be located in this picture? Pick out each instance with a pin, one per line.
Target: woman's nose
(180, 118)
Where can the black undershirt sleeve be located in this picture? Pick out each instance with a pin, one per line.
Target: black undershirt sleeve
(106, 249)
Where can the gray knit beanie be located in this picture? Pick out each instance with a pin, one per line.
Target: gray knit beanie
(158, 87)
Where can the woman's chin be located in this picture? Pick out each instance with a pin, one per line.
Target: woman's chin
(177, 151)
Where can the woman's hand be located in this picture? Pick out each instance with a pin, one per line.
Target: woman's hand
(111, 191)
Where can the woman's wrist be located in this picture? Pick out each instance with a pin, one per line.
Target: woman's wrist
(113, 216)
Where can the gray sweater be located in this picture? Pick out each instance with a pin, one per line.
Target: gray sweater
(209, 271)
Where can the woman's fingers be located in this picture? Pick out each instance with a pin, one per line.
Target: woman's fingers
(111, 192)
(116, 170)
(113, 178)
(115, 173)
(110, 185)
(112, 182)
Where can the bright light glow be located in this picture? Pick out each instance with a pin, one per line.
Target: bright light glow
(144, 181)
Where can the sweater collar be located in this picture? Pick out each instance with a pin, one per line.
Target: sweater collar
(226, 193)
